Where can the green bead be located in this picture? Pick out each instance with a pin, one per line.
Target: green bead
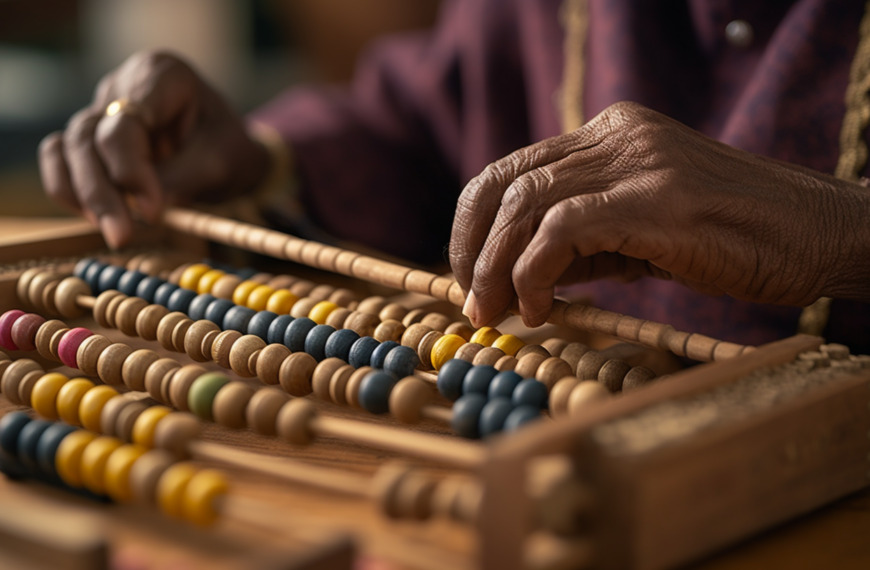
(202, 393)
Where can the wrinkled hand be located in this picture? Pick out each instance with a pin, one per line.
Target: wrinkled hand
(632, 194)
(178, 141)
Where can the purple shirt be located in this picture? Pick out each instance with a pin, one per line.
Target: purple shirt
(384, 162)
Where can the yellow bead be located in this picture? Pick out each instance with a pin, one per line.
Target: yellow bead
(259, 297)
(320, 311)
(200, 494)
(242, 291)
(170, 488)
(69, 397)
(43, 398)
(485, 336)
(146, 423)
(207, 280)
(93, 462)
(444, 349)
(68, 459)
(190, 277)
(509, 344)
(281, 301)
(118, 465)
(91, 406)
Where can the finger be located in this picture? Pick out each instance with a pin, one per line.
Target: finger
(54, 172)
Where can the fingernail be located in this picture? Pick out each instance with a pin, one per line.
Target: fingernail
(470, 309)
(114, 230)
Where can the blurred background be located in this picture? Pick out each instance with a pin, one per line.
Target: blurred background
(53, 52)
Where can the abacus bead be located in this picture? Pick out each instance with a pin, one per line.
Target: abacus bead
(477, 380)
(202, 392)
(91, 275)
(572, 353)
(225, 285)
(503, 384)
(15, 374)
(466, 415)
(493, 415)
(28, 441)
(468, 351)
(262, 411)
(530, 392)
(69, 345)
(93, 463)
(200, 494)
(559, 394)
(222, 345)
(175, 432)
(321, 311)
(636, 377)
(68, 459)
(126, 419)
(191, 275)
(43, 399)
(445, 349)
(521, 415)
(7, 319)
(69, 397)
(240, 354)
(148, 320)
(145, 474)
(612, 374)
(278, 328)
(460, 329)
(315, 341)
(268, 361)
(338, 384)
(528, 364)
(401, 361)
(281, 302)
(129, 282)
(92, 404)
(506, 362)
(485, 336)
(552, 370)
(180, 384)
(164, 292)
(296, 372)
(294, 421)
(216, 311)
(589, 365)
(297, 331)
(111, 410)
(146, 423)
(438, 321)
(259, 297)
(450, 377)
(322, 377)
(509, 343)
(389, 330)
(207, 281)
(66, 297)
(302, 307)
(147, 288)
(414, 334)
(111, 361)
(374, 391)
(195, 345)
(135, 367)
(82, 265)
(260, 323)
(88, 354)
(24, 329)
(339, 343)
(372, 305)
(242, 291)
(171, 486)
(408, 398)
(379, 354)
(198, 306)
(424, 349)
(118, 467)
(10, 426)
(585, 393)
(230, 404)
(488, 356)
(392, 312)
(361, 350)
(180, 300)
(554, 346)
(46, 449)
(362, 323)
(44, 337)
(109, 278)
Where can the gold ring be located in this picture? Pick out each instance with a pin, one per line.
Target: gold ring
(124, 106)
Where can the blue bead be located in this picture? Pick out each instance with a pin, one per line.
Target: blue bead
(109, 277)
(503, 384)
(379, 354)
(315, 341)
(361, 351)
(46, 449)
(180, 300)
(28, 440)
(466, 415)
(259, 323)
(147, 288)
(294, 338)
(10, 427)
(237, 318)
(477, 379)
(198, 306)
(92, 275)
(521, 415)
(163, 292)
(217, 310)
(82, 265)
(129, 281)
(277, 329)
(450, 378)
(530, 392)
(401, 361)
(494, 414)
(338, 344)
(374, 391)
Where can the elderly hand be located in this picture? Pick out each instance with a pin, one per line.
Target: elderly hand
(632, 194)
(172, 137)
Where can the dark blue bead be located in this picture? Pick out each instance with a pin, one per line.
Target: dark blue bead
(237, 318)
(339, 343)
(92, 275)
(163, 292)
(180, 300)
(129, 281)
(109, 277)
(82, 266)
(361, 351)
(466, 415)
(503, 384)
(217, 310)
(530, 392)
(380, 353)
(259, 324)
(315, 341)
(147, 288)
(493, 415)
(199, 305)
(277, 329)
(401, 361)
(521, 415)
(245, 273)
(294, 338)
(28, 441)
(450, 378)
(10, 427)
(477, 380)
(46, 449)
(374, 391)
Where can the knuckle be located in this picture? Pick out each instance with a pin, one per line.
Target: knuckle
(50, 146)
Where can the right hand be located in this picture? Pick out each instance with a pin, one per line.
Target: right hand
(177, 141)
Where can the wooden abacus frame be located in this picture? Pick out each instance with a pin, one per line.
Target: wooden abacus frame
(809, 450)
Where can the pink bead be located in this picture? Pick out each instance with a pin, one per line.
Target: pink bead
(7, 319)
(24, 330)
(69, 345)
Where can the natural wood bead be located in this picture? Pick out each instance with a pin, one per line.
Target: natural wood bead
(294, 421)
(342, 297)
(179, 332)
(146, 472)
(180, 382)
(589, 365)
(177, 431)
(158, 373)
(612, 374)
(424, 348)
(554, 346)
(48, 297)
(559, 395)
(408, 398)
(66, 295)
(135, 366)
(36, 289)
(127, 419)
(321, 292)
(302, 288)
(111, 410)
(302, 307)
(532, 349)
(468, 351)
(230, 404)
(281, 282)
(393, 311)
(552, 370)
(461, 329)
(584, 394)
(506, 362)
(223, 343)
(148, 320)
(337, 318)
(322, 376)
(528, 364)
(195, 340)
(111, 361)
(14, 376)
(636, 377)
(175, 275)
(101, 306)
(413, 499)
(437, 321)
(262, 411)
(351, 390)
(54, 343)
(296, 372)
(128, 311)
(457, 499)
(487, 356)
(241, 352)
(44, 334)
(572, 353)
(262, 277)
(338, 384)
(112, 310)
(23, 283)
(88, 353)
(389, 329)
(372, 305)
(267, 362)
(363, 324)
(225, 285)
(414, 334)
(166, 327)
(414, 316)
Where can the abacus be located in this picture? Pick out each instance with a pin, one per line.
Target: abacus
(228, 397)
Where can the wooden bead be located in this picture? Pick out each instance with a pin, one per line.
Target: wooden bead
(612, 374)
(322, 377)
(262, 412)
(54, 343)
(302, 307)
(207, 281)
(509, 343)
(223, 344)
(506, 362)
(294, 422)
(43, 398)
(552, 370)
(584, 394)
(392, 312)
(281, 282)
(414, 334)
(296, 373)
(342, 297)
(321, 292)
(259, 297)
(487, 356)
(24, 329)
(528, 364)
(351, 390)
(267, 362)
(69, 343)
(23, 283)
(111, 361)
(146, 472)
(43, 337)
(302, 288)
(170, 488)
(36, 290)
(485, 336)
(559, 395)
(444, 349)
(92, 404)
(195, 345)
(93, 463)
(189, 278)
(424, 349)
(68, 458)
(320, 311)
(66, 296)
(135, 366)
(281, 302)
(166, 327)
(146, 423)
(532, 349)
(338, 384)
(157, 374)
(112, 309)
(201, 494)
(461, 329)
(224, 286)
(389, 329)
(243, 291)
(554, 346)
(414, 316)
(468, 351)
(14, 374)
(372, 305)
(128, 311)
(364, 324)
(230, 404)
(148, 320)
(572, 353)
(240, 354)
(437, 321)
(636, 377)
(118, 466)
(89, 352)
(127, 419)
(408, 398)
(112, 409)
(589, 365)
(180, 383)
(25, 387)
(175, 432)
(338, 317)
